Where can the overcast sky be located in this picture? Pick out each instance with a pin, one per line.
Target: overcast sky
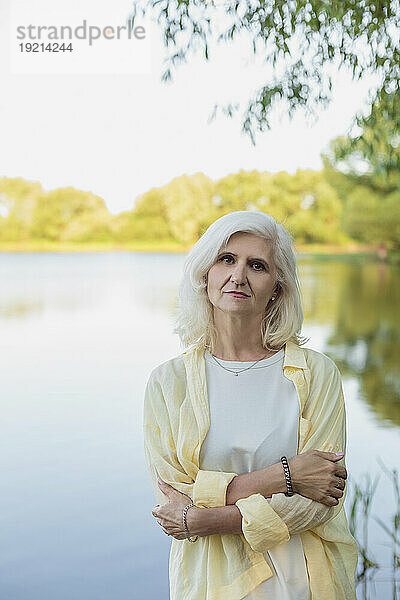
(120, 135)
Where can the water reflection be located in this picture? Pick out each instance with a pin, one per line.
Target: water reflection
(360, 303)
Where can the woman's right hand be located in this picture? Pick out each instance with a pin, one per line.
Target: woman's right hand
(316, 475)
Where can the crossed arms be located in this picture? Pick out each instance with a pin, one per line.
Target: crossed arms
(252, 504)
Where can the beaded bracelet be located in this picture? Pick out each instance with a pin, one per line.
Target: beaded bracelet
(287, 477)
(185, 524)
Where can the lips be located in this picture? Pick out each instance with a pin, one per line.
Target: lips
(238, 294)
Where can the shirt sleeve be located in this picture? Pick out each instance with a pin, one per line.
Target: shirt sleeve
(267, 523)
(300, 513)
(205, 488)
(209, 488)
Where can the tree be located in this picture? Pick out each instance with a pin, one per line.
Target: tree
(304, 202)
(147, 221)
(371, 218)
(70, 215)
(304, 35)
(373, 157)
(188, 206)
(17, 207)
(365, 171)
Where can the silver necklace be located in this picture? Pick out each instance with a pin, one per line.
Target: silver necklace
(240, 370)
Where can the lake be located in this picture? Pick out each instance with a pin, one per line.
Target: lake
(80, 334)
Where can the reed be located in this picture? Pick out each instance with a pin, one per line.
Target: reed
(361, 496)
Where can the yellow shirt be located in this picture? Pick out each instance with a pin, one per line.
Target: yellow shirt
(227, 567)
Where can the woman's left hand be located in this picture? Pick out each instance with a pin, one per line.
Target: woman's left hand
(170, 515)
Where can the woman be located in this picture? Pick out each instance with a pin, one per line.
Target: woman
(246, 430)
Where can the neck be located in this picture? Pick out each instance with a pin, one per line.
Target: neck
(239, 338)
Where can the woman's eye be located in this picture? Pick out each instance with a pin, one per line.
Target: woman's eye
(260, 265)
(224, 257)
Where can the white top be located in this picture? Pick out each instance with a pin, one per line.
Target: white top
(253, 422)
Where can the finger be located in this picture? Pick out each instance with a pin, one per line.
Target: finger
(333, 456)
(165, 530)
(332, 501)
(341, 472)
(336, 492)
(329, 501)
(341, 484)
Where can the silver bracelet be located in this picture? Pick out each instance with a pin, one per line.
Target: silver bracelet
(185, 524)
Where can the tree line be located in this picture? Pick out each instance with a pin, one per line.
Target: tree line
(324, 207)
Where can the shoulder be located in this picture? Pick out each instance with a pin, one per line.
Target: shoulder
(169, 370)
(319, 361)
(325, 382)
(320, 365)
(166, 387)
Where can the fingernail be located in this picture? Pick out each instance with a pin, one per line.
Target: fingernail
(339, 453)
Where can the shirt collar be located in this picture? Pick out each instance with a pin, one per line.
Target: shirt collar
(293, 355)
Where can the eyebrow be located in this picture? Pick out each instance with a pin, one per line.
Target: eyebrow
(261, 260)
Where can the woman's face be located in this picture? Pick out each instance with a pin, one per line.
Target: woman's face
(244, 265)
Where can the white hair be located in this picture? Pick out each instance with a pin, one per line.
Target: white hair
(283, 317)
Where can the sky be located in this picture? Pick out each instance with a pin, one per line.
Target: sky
(118, 135)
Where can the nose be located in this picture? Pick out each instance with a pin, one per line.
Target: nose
(238, 274)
